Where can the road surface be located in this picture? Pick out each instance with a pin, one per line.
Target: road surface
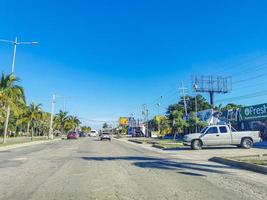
(90, 169)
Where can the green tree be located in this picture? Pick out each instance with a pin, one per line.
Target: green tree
(11, 97)
(163, 125)
(34, 115)
(71, 123)
(105, 126)
(230, 106)
(65, 122)
(194, 123)
(60, 121)
(178, 123)
(86, 129)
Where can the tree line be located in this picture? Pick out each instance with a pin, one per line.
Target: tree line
(17, 118)
(175, 120)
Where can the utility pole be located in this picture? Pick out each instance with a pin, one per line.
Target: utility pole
(15, 43)
(14, 55)
(158, 105)
(147, 122)
(50, 136)
(145, 113)
(182, 93)
(195, 87)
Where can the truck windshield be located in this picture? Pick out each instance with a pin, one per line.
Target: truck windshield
(203, 130)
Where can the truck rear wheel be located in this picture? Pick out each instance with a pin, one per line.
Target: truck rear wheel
(196, 145)
(247, 143)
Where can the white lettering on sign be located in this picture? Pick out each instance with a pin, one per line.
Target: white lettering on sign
(256, 111)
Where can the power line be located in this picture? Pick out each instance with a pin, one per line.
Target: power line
(247, 96)
(231, 67)
(248, 70)
(249, 86)
(100, 121)
(250, 78)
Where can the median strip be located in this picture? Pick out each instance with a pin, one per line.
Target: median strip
(256, 163)
(160, 144)
(13, 145)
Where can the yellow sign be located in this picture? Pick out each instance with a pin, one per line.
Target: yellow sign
(123, 121)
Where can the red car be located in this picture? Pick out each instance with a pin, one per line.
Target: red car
(72, 135)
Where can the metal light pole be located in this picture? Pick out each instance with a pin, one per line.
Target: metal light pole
(15, 43)
(50, 136)
(158, 106)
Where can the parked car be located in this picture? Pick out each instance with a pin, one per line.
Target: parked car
(93, 133)
(72, 135)
(105, 136)
(82, 134)
(216, 135)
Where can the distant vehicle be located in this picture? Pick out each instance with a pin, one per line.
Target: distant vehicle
(82, 134)
(93, 133)
(72, 135)
(216, 135)
(57, 133)
(105, 136)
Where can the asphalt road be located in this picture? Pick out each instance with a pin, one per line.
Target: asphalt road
(90, 169)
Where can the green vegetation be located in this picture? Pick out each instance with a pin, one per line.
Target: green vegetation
(254, 159)
(159, 143)
(175, 121)
(24, 140)
(168, 145)
(105, 126)
(65, 122)
(19, 119)
(86, 129)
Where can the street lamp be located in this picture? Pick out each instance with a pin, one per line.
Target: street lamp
(15, 43)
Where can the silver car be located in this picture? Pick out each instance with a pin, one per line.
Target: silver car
(105, 136)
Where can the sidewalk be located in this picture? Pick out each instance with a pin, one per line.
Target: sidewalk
(205, 154)
(202, 157)
(25, 144)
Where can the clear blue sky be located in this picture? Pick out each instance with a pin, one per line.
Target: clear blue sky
(112, 56)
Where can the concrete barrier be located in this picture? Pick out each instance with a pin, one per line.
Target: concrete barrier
(240, 164)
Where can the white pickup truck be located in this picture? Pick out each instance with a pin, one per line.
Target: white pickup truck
(216, 135)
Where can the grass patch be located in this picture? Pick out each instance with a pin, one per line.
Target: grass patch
(253, 159)
(168, 145)
(22, 141)
(136, 141)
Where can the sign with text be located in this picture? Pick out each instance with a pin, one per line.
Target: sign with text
(123, 121)
(255, 112)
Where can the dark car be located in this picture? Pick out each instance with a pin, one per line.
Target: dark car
(105, 136)
(82, 134)
(72, 135)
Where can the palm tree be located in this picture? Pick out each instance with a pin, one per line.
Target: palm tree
(11, 96)
(72, 123)
(60, 121)
(34, 114)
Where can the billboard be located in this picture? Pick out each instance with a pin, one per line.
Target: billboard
(205, 115)
(229, 115)
(255, 112)
(123, 121)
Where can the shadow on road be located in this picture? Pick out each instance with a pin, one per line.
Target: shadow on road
(165, 164)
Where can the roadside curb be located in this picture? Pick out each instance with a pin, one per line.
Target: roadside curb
(25, 144)
(136, 141)
(240, 164)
